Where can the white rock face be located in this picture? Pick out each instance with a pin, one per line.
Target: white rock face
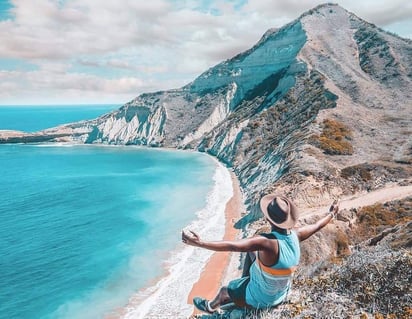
(182, 117)
(154, 127)
(141, 128)
(219, 115)
(114, 129)
(229, 139)
(245, 110)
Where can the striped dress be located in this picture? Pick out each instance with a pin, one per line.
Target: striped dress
(269, 286)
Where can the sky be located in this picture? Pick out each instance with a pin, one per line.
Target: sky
(108, 52)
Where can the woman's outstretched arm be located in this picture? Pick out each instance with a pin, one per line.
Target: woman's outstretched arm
(242, 245)
(306, 231)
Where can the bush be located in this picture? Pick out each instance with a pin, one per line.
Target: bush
(361, 171)
(335, 138)
(342, 243)
(375, 218)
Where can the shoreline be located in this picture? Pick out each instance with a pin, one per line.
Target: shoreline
(216, 271)
(185, 266)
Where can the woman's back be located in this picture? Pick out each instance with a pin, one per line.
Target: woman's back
(269, 285)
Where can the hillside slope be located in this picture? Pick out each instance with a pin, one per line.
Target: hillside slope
(324, 100)
(319, 109)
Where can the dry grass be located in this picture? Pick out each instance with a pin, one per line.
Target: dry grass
(334, 139)
(372, 282)
(362, 171)
(342, 244)
(374, 219)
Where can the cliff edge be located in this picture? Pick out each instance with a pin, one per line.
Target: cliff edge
(325, 100)
(319, 109)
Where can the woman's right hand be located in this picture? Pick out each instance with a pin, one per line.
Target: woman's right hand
(192, 239)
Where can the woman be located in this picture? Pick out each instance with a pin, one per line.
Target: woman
(278, 253)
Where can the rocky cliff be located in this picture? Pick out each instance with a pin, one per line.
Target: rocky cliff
(318, 109)
(326, 98)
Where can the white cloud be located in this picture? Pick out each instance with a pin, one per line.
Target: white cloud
(46, 29)
(381, 12)
(147, 45)
(53, 84)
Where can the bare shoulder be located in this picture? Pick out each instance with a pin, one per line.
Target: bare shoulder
(269, 253)
(301, 232)
(263, 242)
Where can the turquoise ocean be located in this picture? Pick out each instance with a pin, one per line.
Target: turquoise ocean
(94, 231)
(32, 118)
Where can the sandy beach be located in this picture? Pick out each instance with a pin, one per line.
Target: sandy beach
(190, 271)
(215, 272)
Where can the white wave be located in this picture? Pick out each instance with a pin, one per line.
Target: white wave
(55, 144)
(184, 267)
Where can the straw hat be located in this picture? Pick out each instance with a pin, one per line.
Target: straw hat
(279, 210)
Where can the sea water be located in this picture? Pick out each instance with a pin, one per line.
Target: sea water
(32, 118)
(91, 232)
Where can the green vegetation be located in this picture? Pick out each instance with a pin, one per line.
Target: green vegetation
(372, 175)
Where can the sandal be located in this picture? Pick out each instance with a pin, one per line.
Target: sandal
(202, 304)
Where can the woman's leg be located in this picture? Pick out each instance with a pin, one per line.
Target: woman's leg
(221, 298)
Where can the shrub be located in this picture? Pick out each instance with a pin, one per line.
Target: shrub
(362, 171)
(375, 218)
(335, 138)
(342, 243)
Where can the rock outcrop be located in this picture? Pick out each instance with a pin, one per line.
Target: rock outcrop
(323, 101)
(318, 109)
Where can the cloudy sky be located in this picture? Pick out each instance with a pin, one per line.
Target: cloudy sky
(110, 51)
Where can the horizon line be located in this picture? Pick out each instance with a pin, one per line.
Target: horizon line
(66, 104)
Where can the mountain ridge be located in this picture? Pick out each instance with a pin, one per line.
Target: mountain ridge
(318, 109)
(325, 59)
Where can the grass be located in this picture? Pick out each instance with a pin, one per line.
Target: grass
(335, 138)
(362, 171)
(370, 282)
(373, 219)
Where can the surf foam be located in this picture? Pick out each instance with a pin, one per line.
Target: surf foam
(186, 263)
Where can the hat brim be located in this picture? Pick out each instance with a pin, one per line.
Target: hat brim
(292, 216)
